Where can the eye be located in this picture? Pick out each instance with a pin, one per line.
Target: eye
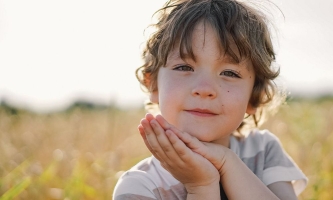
(183, 68)
(230, 73)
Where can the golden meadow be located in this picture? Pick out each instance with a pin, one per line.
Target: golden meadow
(79, 153)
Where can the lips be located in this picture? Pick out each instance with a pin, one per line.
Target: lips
(201, 112)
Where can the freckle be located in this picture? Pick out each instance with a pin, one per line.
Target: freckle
(228, 90)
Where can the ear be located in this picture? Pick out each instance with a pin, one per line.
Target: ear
(146, 80)
(250, 110)
(154, 97)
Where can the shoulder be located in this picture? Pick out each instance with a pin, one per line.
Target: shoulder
(263, 153)
(253, 143)
(266, 141)
(137, 182)
(147, 180)
(261, 136)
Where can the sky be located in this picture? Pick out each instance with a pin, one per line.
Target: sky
(55, 52)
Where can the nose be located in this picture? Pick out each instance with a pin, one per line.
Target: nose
(204, 90)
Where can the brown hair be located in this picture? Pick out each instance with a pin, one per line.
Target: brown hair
(234, 22)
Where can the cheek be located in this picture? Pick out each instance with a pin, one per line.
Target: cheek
(236, 98)
(242, 90)
(170, 94)
(170, 85)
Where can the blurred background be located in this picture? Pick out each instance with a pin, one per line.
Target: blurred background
(70, 102)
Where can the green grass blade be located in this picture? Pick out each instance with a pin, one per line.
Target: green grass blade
(16, 190)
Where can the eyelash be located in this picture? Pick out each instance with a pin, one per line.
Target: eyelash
(229, 73)
(182, 68)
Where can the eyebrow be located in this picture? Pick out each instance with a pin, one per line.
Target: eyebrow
(228, 59)
(223, 58)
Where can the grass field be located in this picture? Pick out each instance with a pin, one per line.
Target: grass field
(79, 154)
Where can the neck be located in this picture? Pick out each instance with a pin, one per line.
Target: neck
(225, 141)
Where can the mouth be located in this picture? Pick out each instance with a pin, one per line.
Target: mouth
(201, 112)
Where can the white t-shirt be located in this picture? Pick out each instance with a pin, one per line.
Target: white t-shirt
(261, 151)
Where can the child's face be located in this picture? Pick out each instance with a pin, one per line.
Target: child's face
(209, 97)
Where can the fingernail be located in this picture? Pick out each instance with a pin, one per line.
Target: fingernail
(153, 122)
(140, 127)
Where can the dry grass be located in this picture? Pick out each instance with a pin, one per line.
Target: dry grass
(80, 154)
(306, 131)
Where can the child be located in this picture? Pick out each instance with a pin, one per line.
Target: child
(207, 67)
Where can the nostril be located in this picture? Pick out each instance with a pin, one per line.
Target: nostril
(204, 92)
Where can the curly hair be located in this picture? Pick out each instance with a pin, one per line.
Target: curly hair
(234, 23)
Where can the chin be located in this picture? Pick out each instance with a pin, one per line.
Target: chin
(201, 135)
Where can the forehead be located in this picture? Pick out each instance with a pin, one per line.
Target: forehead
(176, 55)
(205, 37)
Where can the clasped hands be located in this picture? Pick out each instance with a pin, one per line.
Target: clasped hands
(194, 163)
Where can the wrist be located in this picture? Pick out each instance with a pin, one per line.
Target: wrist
(210, 191)
(229, 159)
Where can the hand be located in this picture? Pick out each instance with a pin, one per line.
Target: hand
(176, 149)
(187, 166)
(215, 153)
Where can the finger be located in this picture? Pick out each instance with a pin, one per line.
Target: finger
(165, 125)
(141, 131)
(149, 117)
(143, 135)
(151, 138)
(164, 141)
(148, 130)
(185, 154)
(189, 140)
(192, 142)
